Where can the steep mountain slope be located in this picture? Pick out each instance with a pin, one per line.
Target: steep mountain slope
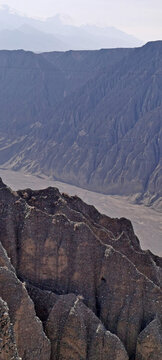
(116, 142)
(86, 118)
(96, 293)
(33, 84)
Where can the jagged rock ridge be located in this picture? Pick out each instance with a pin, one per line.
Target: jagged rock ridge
(96, 294)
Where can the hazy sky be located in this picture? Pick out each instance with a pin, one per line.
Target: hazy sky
(142, 18)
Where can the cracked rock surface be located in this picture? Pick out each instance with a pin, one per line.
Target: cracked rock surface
(77, 284)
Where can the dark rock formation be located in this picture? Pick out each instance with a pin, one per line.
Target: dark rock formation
(30, 339)
(96, 292)
(24, 328)
(91, 119)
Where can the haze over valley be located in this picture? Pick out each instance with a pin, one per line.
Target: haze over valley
(53, 34)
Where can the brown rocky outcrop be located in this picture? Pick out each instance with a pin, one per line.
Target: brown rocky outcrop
(149, 343)
(115, 232)
(76, 333)
(84, 271)
(8, 349)
(30, 338)
(26, 329)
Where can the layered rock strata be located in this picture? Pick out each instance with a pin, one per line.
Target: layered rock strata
(96, 294)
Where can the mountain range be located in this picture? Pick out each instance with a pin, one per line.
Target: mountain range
(89, 118)
(53, 34)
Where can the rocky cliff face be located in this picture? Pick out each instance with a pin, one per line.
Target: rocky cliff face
(90, 118)
(75, 284)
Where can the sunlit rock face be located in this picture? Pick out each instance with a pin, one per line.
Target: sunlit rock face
(77, 284)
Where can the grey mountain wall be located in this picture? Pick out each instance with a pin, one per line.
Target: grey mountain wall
(90, 118)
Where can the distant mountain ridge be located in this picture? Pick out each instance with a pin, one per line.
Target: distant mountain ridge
(29, 38)
(22, 32)
(89, 118)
